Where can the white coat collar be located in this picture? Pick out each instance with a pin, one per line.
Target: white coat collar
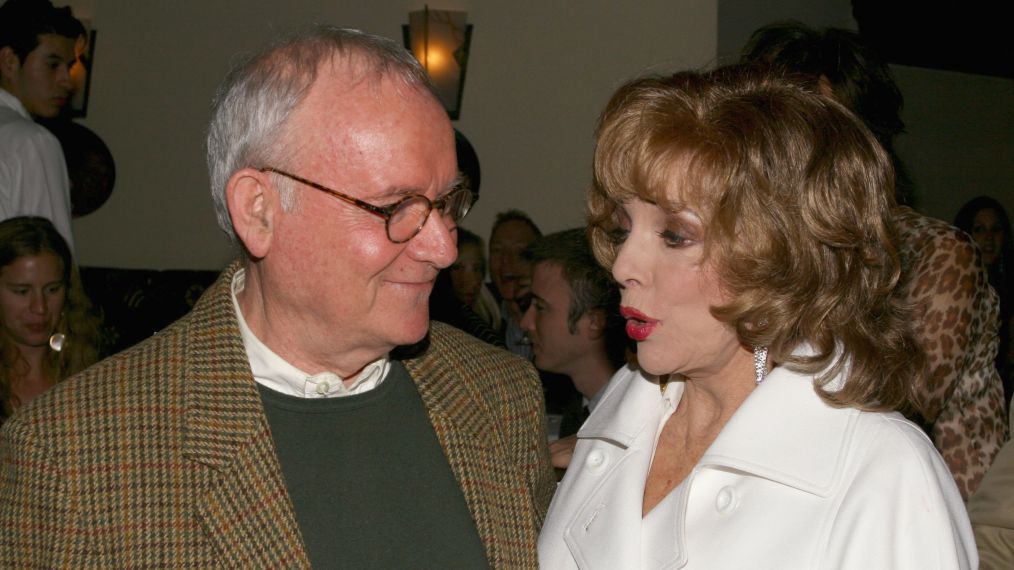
(783, 431)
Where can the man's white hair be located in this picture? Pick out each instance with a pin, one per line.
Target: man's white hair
(262, 90)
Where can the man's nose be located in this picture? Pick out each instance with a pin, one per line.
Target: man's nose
(63, 77)
(528, 319)
(435, 243)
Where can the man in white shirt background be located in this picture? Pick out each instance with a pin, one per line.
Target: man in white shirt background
(36, 55)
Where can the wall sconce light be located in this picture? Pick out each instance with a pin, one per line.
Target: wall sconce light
(439, 39)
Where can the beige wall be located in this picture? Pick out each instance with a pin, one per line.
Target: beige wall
(960, 139)
(539, 74)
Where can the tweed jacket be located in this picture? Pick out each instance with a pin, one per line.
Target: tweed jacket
(161, 456)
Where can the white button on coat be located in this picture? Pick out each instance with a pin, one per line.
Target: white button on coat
(597, 461)
(726, 501)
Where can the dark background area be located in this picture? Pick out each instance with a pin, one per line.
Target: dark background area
(970, 36)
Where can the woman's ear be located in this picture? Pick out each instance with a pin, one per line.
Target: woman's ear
(253, 203)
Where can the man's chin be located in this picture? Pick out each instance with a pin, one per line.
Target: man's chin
(411, 332)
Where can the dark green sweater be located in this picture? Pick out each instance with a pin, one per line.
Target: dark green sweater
(369, 481)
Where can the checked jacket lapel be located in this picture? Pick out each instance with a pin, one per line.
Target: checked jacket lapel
(242, 499)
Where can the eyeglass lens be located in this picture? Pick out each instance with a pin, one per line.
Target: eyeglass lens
(411, 215)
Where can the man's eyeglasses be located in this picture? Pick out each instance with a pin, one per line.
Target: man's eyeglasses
(405, 218)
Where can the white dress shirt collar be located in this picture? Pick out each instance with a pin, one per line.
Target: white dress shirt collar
(273, 372)
(8, 99)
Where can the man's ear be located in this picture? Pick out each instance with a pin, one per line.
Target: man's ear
(253, 204)
(596, 323)
(9, 64)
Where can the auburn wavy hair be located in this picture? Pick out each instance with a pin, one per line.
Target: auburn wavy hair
(796, 196)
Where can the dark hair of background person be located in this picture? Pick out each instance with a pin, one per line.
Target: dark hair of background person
(794, 194)
(23, 21)
(468, 163)
(514, 215)
(1001, 278)
(592, 287)
(856, 74)
(29, 235)
(466, 237)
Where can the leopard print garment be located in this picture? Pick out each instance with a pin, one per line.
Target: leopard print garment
(957, 325)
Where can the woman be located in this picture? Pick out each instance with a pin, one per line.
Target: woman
(459, 296)
(468, 278)
(46, 330)
(986, 221)
(748, 223)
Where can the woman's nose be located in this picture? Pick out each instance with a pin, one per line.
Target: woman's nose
(626, 265)
(37, 303)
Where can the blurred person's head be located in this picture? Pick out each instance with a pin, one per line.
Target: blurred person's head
(986, 221)
(840, 64)
(512, 232)
(573, 316)
(37, 51)
(468, 272)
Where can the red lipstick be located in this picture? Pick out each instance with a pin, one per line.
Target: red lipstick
(639, 325)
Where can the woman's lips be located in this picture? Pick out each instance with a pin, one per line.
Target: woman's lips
(639, 325)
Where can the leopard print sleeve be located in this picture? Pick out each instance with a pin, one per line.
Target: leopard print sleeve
(961, 399)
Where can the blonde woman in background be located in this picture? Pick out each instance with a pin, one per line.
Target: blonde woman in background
(47, 331)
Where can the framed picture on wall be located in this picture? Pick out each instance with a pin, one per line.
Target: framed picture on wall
(81, 73)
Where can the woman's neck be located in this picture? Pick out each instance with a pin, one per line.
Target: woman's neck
(35, 377)
(709, 401)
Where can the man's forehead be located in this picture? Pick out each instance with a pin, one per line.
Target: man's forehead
(513, 232)
(55, 46)
(372, 128)
(548, 276)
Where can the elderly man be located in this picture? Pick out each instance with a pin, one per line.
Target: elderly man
(36, 55)
(277, 425)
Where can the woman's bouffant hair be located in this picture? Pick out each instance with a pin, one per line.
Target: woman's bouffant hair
(23, 236)
(795, 196)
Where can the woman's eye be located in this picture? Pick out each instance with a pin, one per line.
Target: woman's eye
(671, 238)
(616, 236)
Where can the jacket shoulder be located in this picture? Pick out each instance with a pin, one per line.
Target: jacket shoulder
(483, 362)
(137, 377)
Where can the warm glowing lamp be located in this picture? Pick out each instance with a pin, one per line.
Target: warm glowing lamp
(439, 39)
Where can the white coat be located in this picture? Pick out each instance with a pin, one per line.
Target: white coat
(789, 483)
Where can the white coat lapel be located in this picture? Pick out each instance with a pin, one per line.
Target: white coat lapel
(785, 433)
(614, 453)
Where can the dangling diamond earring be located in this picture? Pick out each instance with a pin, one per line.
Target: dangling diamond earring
(760, 362)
